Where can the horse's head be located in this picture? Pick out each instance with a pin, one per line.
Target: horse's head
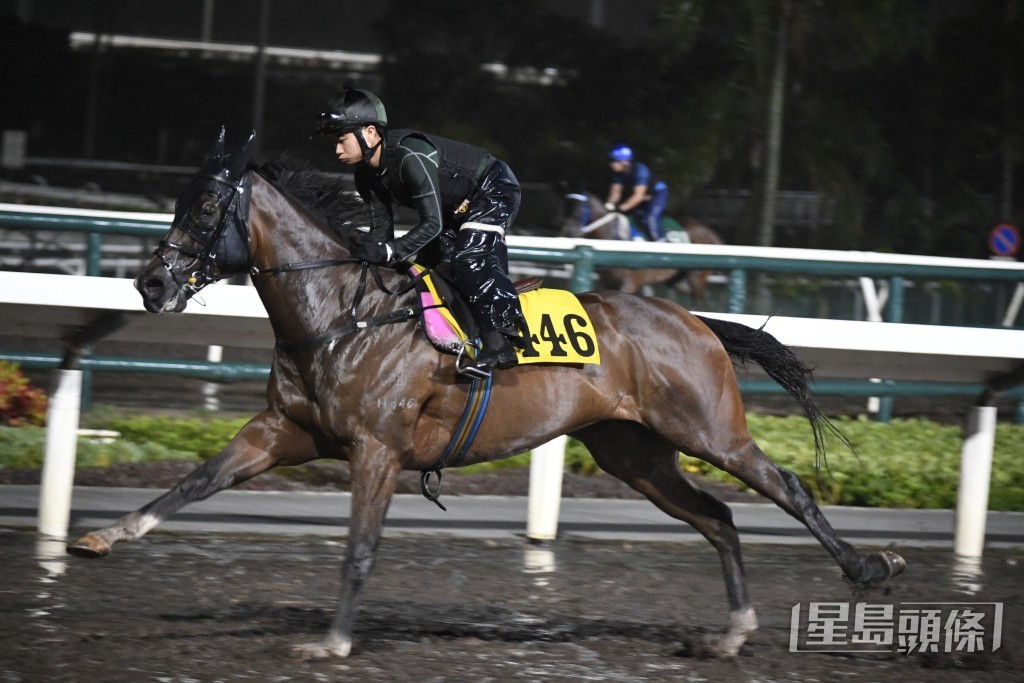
(209, 237)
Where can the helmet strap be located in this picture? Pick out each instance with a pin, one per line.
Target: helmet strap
(366, 149)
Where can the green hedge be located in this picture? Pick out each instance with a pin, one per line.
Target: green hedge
(24, 448)
(907, 463)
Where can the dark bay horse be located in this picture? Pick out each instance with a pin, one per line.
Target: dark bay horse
(382, 398)
(585, 216)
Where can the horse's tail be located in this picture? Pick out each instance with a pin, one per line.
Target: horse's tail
(745, 344)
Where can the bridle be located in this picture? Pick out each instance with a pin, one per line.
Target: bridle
(216, 258)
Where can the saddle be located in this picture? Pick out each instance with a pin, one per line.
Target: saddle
(447, 320)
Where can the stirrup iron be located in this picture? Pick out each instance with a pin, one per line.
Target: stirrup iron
(465, 367)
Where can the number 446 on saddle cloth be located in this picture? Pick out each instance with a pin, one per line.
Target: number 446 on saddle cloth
(560, 329)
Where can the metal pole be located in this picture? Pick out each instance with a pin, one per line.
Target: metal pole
(582, 279)
(260, 76)
(94, 255)
(211, 402)
(737, 290)
(1014, 308)
(896, 298)
(975, 479)
(546, 467)
(206, 28)
(58, 475)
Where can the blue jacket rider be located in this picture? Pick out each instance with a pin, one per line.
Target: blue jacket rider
(645, 195)
(466, 200)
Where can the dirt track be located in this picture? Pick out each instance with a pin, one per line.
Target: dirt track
(443, 609)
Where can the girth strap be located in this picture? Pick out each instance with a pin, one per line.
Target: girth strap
(476, 407)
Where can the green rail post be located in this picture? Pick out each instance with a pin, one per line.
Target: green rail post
(737, 290)
(896, 298)
(582, 279)
(94, 254)
(897, 289)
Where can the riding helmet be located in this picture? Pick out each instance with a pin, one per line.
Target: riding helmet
(353, 108)
(621, 152)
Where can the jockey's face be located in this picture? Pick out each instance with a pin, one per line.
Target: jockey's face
(619, 166)
(349, 151)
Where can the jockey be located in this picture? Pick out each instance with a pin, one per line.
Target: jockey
(466, 200)
(645, 195)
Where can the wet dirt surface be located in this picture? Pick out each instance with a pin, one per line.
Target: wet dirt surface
(174, 608)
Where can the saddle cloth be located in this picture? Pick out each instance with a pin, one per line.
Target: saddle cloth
(560, 329)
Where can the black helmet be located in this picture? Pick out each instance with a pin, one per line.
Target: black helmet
(353, 108)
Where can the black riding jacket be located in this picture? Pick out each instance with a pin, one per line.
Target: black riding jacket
(433, 175)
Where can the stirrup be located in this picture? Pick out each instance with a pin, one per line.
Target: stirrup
(466, 368)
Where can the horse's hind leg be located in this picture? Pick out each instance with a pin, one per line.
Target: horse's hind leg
(649, 464)
(267, 440)
(748, 463)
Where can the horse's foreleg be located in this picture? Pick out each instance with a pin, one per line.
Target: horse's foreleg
(651, 468)
(267, 440)
(374, 477)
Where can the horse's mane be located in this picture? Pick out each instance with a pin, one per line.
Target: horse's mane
(320, 192)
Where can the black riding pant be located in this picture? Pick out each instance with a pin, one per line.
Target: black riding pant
(480, 256)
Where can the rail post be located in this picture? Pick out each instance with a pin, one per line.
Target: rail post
(94, 255)
(975, 476)
(58, 475)
(737, 290)
(582, 270)
(547, 463)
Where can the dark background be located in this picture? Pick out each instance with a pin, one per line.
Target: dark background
(901, 128)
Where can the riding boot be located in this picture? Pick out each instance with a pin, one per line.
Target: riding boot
(480, 264)
(496, 353)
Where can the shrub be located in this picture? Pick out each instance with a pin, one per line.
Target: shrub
(25, 447)
(205, 436)
(907, 463)
(20, 402)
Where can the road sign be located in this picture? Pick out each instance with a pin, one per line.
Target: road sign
(1004, 240)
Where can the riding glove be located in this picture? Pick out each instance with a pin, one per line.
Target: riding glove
(610, 206)
(378, 253)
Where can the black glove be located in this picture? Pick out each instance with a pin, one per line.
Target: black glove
(372, 252)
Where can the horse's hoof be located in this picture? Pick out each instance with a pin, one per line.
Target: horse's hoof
(330, 647)
(742, 624)
(894, 562)
(89, 545)
(879, 567)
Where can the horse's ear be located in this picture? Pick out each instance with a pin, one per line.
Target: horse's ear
(215, 159)
(240, 159)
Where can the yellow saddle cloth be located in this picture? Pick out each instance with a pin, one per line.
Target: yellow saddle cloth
(560, 329)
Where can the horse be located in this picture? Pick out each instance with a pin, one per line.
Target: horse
(586, 216)
(353, 377)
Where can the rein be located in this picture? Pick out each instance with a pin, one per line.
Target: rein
(235, 259)
(355, 324)
(235, 215)
(586, 225)
(600, 222)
